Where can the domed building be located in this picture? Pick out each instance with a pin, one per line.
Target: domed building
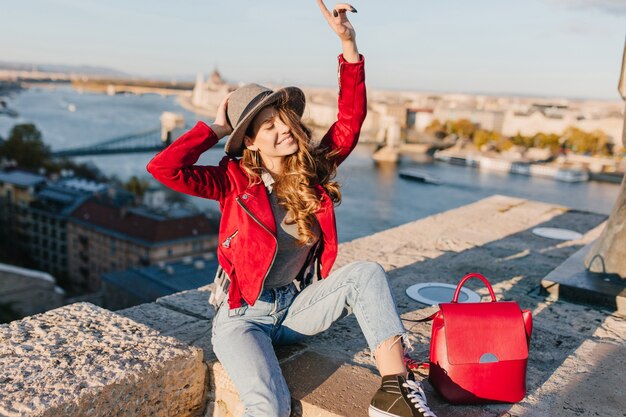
(208, 94)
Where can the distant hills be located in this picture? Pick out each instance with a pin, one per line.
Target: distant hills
(101, 72)
(79, 69)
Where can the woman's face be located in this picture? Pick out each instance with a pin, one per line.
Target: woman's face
(272, 137)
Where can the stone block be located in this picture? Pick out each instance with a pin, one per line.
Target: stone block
(194, 303)
(82, 360)
(157, 317)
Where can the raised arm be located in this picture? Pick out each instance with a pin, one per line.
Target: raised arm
(343, 135)
(175, 166)
(339, 23)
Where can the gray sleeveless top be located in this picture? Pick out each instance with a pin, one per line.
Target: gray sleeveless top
(290, 257)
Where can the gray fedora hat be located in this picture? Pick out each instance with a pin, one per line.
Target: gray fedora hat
(247, 101)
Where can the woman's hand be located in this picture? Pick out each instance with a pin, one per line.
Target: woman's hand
(338, 21)
(220, 126)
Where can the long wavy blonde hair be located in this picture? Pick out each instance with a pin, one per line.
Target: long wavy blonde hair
(307, 167)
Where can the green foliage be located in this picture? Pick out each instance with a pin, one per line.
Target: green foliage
(547, 140)
(579, 141)
(523, 141)
(483, 137)
(436, 128)
(90, 172)
(25, 146)
(463, 128)
(136, 186)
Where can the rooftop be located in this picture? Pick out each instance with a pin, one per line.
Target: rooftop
(21, 178)
(152, 282)
(82, 184)
(151, 228)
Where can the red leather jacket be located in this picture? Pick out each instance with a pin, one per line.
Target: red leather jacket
(247, 235)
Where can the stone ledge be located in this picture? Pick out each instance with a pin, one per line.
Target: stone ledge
(333, 375)
(82, 360)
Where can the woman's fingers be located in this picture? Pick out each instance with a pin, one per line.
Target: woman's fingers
(338, 9)
(344, 7)
(338, 20)
(323, 8)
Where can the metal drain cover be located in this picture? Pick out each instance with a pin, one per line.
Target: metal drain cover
(557, 233)
(433, 293)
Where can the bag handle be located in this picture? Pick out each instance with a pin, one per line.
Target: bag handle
(455, 299)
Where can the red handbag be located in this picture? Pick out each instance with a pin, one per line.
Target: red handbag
(479, 351)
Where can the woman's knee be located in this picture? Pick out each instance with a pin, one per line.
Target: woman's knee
(370, 272)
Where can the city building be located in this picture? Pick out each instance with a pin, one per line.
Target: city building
(24, 292)
(209, 93)
(135, 286)
(555, 118)
(17, 191)
(103, 237)
(48, 214)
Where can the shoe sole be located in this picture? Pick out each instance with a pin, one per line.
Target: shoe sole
(375, 412)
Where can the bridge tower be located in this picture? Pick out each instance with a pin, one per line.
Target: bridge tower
(169, 122)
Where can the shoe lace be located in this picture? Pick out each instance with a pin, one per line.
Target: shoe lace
(418, 397)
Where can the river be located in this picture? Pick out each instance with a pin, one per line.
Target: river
(374, 197)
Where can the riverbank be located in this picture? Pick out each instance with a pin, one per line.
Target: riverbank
(157, 358)
(374, 198)
(566, 168)
(185, 103)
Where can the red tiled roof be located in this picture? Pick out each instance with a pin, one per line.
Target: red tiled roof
(147, 228)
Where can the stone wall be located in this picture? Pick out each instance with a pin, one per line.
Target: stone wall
(157, 358)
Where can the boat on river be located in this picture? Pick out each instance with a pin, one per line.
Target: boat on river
(559, 172)
(420, 176)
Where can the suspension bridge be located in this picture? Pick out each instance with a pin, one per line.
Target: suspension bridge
(147, 141)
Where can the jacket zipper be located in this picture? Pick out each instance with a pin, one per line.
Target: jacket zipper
(226, 242)
(243, 206)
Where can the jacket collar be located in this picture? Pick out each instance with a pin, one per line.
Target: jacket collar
(256, 200)
(268, 180)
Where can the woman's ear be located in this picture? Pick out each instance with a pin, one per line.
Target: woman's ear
(250, 143)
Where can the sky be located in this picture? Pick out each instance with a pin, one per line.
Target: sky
(568, 48)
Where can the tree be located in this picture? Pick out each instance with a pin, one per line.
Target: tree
(463, 128)
(434, 126)
(523, 141)
(485, 137)
(580, 141)
(25, 146)
(136, 186)
(547, 140)
(84, 170)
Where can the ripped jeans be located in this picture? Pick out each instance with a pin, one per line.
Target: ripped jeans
(243, 338)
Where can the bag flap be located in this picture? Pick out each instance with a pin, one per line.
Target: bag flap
(484, 332)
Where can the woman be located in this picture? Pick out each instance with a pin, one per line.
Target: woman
(277, 234)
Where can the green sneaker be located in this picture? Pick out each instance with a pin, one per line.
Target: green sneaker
(399, 397)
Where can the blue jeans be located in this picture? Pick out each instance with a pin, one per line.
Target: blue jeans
(244, 338)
